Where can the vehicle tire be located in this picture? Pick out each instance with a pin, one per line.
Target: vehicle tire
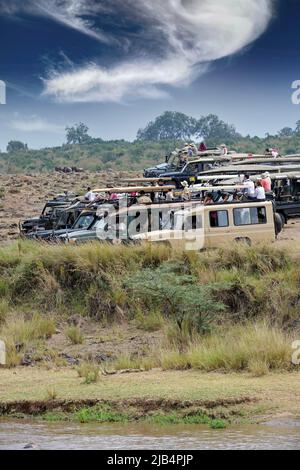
(283, 218)
(279, 224)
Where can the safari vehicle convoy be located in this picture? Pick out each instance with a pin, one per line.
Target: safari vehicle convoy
(185, 225)
(203, 181)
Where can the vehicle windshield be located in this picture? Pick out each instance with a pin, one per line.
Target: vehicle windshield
(48, 211)
(84, 221)
(100, 224)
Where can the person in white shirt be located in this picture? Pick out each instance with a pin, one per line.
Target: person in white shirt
(186, 193)
(250, 187)
(224, 150)
(170, 196)
(260, 192)
(90, 196)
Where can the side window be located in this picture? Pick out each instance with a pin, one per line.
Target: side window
(191, 169)
(206, 166)
(193, 222)
(250, 216)
(166, 220)
(218, 219)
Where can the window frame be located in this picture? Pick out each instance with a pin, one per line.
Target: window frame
(219, 226)
(249, 208)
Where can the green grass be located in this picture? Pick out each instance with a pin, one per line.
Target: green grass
(230, 309)
(89, 371)
(74, 334)
(20, 333)
(106, 414)
(256, 348)
(100, 414)
(193, 418)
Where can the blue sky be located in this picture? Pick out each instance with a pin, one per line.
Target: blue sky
(116, 64)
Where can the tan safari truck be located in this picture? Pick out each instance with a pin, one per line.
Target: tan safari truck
(198, 227)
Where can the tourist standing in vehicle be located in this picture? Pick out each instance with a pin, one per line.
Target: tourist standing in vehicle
(186, 193)
(260, 193)
(249, 187)
(202, 147)
(90, 195)
(275, 152)
(170, 196)
(266, 182)
(224, 150)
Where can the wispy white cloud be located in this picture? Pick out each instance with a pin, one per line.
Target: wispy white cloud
(35, 124)
(71, 13)
(190, 33)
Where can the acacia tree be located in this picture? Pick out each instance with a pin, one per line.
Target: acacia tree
(16, 146)
(169, 126)
(213, 129)
(78, 134)
(286, 132)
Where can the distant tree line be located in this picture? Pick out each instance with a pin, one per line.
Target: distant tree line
(179, 126)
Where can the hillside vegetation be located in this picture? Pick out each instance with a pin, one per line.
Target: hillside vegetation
(159, 138)
(234, 309)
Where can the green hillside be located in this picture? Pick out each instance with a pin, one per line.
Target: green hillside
(160, 137)
(121, 155)
(118, 155)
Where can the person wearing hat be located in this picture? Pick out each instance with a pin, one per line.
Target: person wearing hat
(144, 199)
(224, 150)
(186, 194)
(266, 182)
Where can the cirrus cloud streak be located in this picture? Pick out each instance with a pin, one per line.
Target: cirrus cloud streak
(185, 35)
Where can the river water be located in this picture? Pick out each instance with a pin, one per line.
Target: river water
(284, 434)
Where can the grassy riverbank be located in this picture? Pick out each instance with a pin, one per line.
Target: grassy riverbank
(153, 395)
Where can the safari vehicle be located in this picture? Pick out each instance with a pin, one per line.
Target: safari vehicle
(191, 170)
(173, 169)
(286, 188)
(85, 219)
(199, 227)
(47, 220)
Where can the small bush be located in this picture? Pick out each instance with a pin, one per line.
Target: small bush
(74, 334)
(22, 331)
(153, 321)
(89, 371)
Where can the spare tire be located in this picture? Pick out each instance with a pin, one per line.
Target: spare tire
(278, 222)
